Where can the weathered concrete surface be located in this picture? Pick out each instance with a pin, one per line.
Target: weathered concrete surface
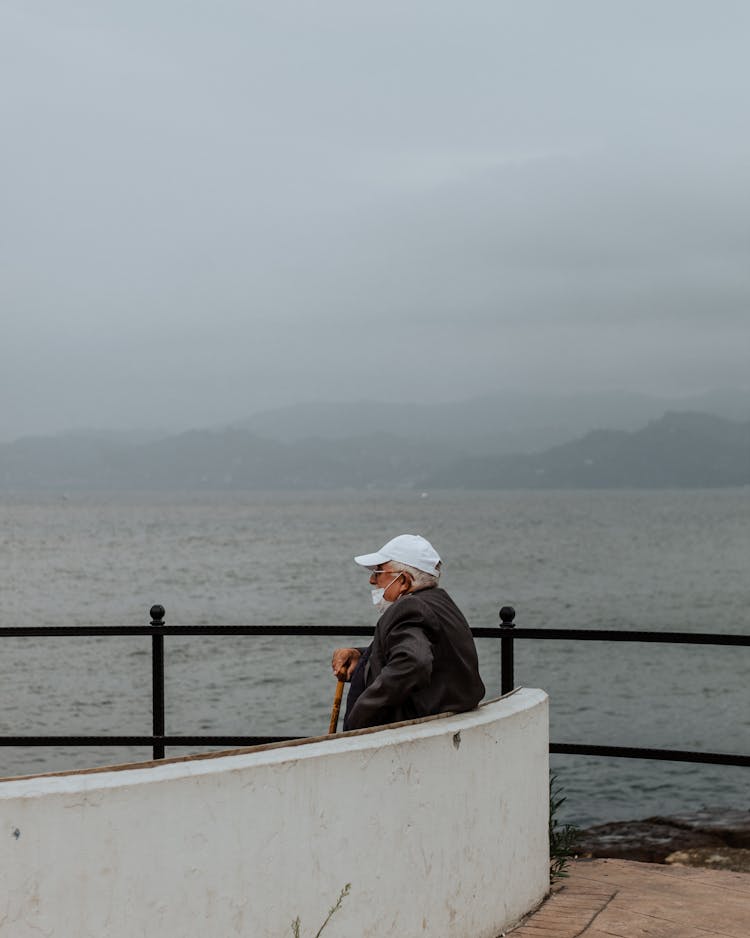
(623, 899)
(440, 826)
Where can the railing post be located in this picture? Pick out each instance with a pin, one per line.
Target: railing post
(157, 674)
(507, 680)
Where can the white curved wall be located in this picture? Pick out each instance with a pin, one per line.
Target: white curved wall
(440, 826)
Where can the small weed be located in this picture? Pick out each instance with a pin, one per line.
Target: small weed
(562, 837)
(296, 924)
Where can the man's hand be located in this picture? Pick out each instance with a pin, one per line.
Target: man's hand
(344, 662)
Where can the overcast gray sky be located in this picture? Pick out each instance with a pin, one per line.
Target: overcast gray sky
(210, 208)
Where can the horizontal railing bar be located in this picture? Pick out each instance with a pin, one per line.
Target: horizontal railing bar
(620, 752)
(109, 630)
(609, 635)
(664, 755)
(143, 740)
(614, 635)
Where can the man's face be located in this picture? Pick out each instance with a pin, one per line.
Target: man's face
(395, 582)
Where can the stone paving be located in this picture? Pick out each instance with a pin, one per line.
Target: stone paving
(625, 899)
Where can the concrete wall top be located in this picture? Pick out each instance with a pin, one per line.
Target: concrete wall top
(138, 773)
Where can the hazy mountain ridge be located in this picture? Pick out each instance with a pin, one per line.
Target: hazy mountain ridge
(227, 459)
(507, 422)
(678, 449)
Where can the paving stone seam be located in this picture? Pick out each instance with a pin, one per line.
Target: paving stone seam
(571, 908)
(739, 889)
(679, 889)
(671, 871)
(597, 914)
(671, 921)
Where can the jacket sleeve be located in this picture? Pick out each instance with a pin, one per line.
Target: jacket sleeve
(408, 668)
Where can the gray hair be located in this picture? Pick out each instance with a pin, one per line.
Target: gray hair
(420, 579)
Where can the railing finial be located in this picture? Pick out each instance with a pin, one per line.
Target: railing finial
(157, 614)
(507, 615)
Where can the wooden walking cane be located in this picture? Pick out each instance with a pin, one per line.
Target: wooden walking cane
(336, 707)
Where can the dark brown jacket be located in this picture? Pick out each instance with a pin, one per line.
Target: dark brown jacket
(422, 661)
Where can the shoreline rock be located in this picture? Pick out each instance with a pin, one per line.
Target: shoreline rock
(714, 837)
(736, 859)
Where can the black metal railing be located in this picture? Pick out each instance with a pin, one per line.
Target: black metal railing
(507, 634)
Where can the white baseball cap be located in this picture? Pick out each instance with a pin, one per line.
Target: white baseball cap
(411, 549)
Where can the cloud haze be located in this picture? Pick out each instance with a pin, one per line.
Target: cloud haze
(209, 209)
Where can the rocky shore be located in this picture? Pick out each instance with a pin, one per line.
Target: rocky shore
(712, 837)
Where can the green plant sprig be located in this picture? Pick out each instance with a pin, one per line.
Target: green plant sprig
(296, 924)
(562, 837)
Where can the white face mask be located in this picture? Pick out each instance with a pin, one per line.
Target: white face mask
(378, 596)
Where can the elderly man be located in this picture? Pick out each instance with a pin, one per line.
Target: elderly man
(422, 659)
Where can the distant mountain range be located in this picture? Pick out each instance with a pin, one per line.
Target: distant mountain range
(679, 450)
(214, 459)
(501, 423)
(433, 446)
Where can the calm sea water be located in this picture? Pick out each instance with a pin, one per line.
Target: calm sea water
(656, 560)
